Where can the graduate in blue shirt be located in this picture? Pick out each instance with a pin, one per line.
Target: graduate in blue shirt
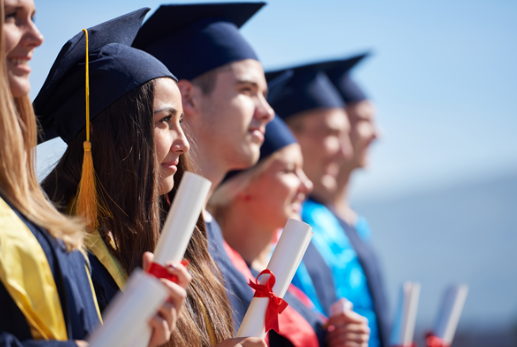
(224, 90)
(331, 268)
(46, 297)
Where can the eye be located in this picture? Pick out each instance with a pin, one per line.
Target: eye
(10, 16)
(181, 119)
(166, 120)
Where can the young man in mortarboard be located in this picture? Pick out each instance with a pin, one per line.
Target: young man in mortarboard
(314, 109)
(361, 114)
(224, 91)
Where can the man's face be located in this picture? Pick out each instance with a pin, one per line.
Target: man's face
(233, 117)
(362, 131)
(325, 144)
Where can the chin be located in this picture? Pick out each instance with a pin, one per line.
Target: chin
(20, 87)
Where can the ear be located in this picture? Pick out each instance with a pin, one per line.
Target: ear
(188, 97)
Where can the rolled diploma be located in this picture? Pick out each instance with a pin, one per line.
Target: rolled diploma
(404, 327)
(449, 315)
(177, 230)
(283, 264)
(133, 308)
(340, 306)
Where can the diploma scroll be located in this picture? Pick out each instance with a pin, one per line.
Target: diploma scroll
(142, 297)
(286, 258)
(404, 327)
(450, 312)
(340, 306)
(177, 230)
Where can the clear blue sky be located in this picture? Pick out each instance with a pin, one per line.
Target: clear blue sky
(443, 75)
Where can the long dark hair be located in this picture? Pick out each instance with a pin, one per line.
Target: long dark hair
(124, 160)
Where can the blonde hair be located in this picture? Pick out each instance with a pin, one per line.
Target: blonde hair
(18, 182)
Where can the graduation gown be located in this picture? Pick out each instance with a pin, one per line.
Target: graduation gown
(46, 296)
(340, 263)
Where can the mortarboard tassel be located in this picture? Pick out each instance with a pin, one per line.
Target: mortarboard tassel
(87, 194)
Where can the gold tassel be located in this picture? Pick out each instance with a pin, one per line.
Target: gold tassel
(87, 200)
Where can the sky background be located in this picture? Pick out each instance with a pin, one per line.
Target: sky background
(442, 74)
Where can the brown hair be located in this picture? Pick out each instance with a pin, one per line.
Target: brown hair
(124, 159)
(207, 81)
(18, 182)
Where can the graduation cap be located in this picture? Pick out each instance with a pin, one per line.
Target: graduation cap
(339, 73)
(300, 89)
(97, 64)
(196, 38)
(115, 68)
(277, 136)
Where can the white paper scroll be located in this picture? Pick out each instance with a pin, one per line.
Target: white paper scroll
(177, 230)
(182, 218)
(134, 307)
(340, 306)
(450, 312)
(285, 260)
(404, 327)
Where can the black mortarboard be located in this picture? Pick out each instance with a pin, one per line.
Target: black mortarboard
(196, 38)
(339, 73)
(307, 88)
(277, 136)
(115, 68)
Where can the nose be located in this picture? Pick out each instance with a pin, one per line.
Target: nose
(180, 144)
(264, 112)
(32, 37)
(346, 150)
(305, 183)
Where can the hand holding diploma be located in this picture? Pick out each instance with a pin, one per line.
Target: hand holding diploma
(346, 327)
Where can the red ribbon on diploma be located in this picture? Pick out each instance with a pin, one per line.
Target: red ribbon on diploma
(434, 341)
(159, 271)
(275, 306)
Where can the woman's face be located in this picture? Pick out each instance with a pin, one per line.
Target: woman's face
(21, 37)
(169, 138)
(278, 193)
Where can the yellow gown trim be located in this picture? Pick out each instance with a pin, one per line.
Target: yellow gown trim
(26, 274)
(96, 245)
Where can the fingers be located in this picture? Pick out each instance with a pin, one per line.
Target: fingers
(147, 259)
(348, 317)
(161, 331)
(177, 295)
(180, 272)
(348, 340)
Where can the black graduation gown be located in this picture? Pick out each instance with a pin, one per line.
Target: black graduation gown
(74, 290)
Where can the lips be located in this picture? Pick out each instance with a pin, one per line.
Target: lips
(20, 63)
(171, 165)
(257, 134)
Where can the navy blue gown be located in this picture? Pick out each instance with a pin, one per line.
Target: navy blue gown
(74, 290)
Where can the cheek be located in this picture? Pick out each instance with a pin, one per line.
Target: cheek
(11, 38)
(331, 146)
(162, 144)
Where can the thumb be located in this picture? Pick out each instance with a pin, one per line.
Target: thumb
(147, 259)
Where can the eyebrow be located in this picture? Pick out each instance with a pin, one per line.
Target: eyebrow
(170, 109)
(247, 82)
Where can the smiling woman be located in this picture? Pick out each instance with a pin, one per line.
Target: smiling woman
(21, 38)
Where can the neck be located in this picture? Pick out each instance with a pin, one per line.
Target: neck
(210, 167)
(338, 200)
(251, 239)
